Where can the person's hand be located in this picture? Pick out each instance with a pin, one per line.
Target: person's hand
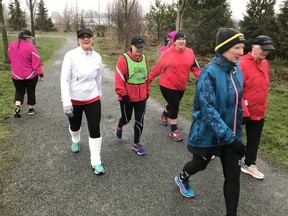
(246, 120)
(238, 148)
(125, 99)
(41, 76)
(68, 110)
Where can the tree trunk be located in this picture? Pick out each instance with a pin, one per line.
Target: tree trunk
(4, 34)
(180, 11)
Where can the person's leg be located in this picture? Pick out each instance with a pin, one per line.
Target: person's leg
(93, 116)
(75, 127)
(126, 114)
(19, 96)
(139, 112)
(253, 132)
(197, 164)
(231, 164)
(31, 87)
(173, 99)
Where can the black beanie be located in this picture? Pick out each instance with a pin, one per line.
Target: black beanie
(227, 38)
(179, 34)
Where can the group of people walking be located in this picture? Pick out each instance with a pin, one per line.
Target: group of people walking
(231, 91)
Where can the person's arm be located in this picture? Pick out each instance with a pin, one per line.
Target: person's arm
(206, 93)
(99, 77)
(65, 80)
(196, 69)
(121, 75)
(158, 68)
(36, 61)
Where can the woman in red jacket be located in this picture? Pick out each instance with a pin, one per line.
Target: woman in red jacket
(256, 74)
(174, 67)
(132, 90)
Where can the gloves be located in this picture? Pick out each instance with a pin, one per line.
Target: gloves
(41, 75)
(246, 120)
(238, 148)
(125, 99)
(68, 110)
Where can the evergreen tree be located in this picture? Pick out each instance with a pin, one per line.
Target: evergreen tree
(161, 19)
(201, 19)
(42, 21)
(260, 20)
(16, 20)
(282, 40)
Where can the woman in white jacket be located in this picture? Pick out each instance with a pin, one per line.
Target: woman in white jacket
(81, 77)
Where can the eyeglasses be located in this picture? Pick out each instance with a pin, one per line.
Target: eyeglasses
(83, 36)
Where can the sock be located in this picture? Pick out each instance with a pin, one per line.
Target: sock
(165, 113)
(173, 127)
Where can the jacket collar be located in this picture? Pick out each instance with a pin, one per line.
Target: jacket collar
(223, 62)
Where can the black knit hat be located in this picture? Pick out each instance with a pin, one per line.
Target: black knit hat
(179, 34)
(227, 38)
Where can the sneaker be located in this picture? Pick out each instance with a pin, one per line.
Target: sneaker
(17, 113)
(175, 136)
(75, 147)
(252, 170)
(138, 148)
(32, 111)
(184, 187)
(118, 132)
(164, 119)
(98, 169)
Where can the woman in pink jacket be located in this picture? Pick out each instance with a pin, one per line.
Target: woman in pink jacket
(26, 67)
(174, 68)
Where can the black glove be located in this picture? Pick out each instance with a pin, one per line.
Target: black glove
(125, 99)
(238, 148)
(41, 75)
(246, 120)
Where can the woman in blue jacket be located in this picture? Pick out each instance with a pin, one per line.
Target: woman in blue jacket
(217, 118)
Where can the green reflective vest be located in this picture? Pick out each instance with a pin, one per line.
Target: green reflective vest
(137, 71)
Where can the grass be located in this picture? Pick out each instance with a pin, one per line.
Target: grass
(46, 47)
(274, 142)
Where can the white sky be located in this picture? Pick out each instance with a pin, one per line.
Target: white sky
(238, 7)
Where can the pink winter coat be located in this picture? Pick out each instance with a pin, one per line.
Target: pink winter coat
(25, 60)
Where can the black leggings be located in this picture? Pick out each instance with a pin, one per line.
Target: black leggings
(253, 133)
(231, 170)
(93, 116)
(21, 86)
(139, 112)
(173, 98)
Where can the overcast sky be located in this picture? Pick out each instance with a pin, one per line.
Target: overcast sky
(238, 7)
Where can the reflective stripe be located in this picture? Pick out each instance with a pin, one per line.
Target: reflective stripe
(20, 78)
(120, 74)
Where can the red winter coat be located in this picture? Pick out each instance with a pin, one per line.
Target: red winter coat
(256, 75)
(174, 67)
(136, 93)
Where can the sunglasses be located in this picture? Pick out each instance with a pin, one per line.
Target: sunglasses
(83, 36)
